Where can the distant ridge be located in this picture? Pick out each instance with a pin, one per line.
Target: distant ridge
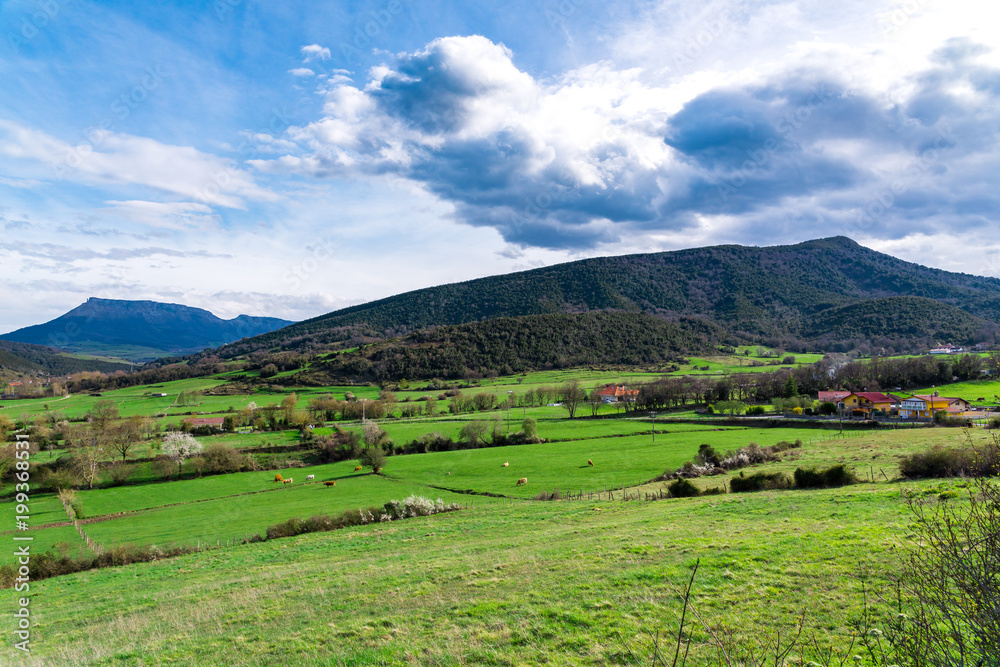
(141, 330)
(800, 296)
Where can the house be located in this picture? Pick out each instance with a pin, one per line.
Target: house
(947, 349)
(916, 407)
(863, 403)
(618, 393)
(833, 396)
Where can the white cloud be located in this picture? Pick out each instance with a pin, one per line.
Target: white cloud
(114, 158)
(314, 52)
(301, 71)
(169, 215)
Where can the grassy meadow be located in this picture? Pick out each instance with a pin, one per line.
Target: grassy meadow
(509, 579)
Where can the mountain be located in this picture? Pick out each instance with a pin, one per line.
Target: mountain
(772, 293)
(508, 345)
(140, 330)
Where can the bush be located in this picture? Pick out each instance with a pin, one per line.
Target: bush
(222, 459)
(942, 418)
(971, 461)
(755, 410)
(707, 456)
(761, 481)
(834, 476)
(683, 488)
(827, 408)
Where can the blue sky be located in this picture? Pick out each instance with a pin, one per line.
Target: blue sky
(288, 159)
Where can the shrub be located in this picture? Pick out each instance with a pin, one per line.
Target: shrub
(683, 488)
(706, 455)
(549, 495)
(755, 410)
(222, 459)
(834, 476)
(120, 473)
(827, 408)
(761, 481)
(971, 461)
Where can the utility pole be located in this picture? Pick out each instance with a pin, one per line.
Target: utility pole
(652, 419)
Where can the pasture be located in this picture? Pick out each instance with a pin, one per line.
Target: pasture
(524, 583)
(508, 580)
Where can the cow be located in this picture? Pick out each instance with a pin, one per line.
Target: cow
(447, 473)
(505, 464)
(287, 481)
(331, 482)
(279, 478)
(309, 477)
(589, 462)
(523, 480)
(357, 469)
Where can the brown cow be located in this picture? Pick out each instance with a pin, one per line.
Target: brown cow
(357, 469)
(523, 480)
(287, 481)
(332, 482)
(589, 462)
(505, 464)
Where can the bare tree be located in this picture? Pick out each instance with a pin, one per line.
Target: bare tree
(572, 396)
(103, 413)
(123, 437)
(595, 400)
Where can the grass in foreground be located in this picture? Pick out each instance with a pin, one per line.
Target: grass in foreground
(515, 584)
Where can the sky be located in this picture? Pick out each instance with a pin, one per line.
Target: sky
(290, 159)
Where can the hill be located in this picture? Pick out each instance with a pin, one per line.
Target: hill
(902, 317)
(35, 359)
(773, 293)
(509, 345)
(140, 330)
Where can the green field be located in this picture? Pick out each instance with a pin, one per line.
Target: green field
(507, 580)
(522, 583)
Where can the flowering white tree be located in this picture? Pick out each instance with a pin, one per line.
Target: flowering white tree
(179, 446)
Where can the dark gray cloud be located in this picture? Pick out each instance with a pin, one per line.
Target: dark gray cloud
(802, 147)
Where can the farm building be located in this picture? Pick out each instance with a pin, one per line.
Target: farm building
(614, 393)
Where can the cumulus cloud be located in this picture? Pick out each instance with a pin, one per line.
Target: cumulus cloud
(301, 71)
(599, 154)
(315, 52)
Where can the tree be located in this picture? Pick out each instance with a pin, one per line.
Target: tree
(595, 401)
(791, 390)
(430, 406)
(288, 406)
(572, 396)
(372, 433)
(122, 438)
(179, 446)
(373, 457)
(475, 432)
(530, 428)
(732, 407)
(103, 413)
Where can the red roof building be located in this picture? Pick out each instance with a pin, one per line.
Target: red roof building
(615, 393)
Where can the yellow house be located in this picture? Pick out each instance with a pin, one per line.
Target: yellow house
(925, 406)
(863, 403)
